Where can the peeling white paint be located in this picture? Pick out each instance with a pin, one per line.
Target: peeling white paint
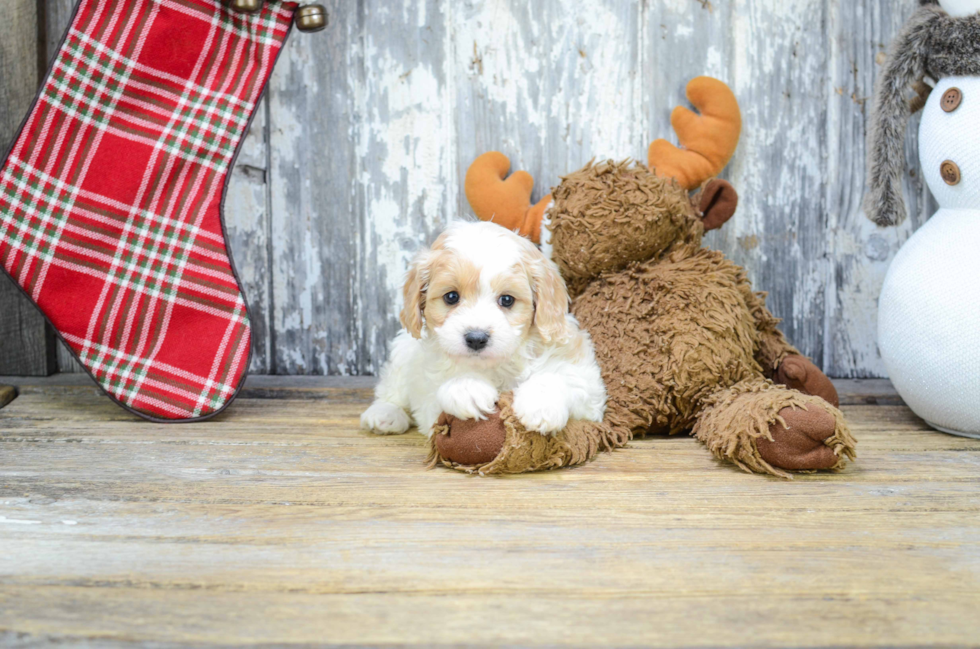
(18, 521)
(374, 121)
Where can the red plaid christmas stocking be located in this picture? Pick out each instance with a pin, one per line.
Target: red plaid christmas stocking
(110, 198)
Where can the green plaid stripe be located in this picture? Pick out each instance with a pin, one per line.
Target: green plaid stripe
(121, 384)
(37, 203)
(151, 254)
(111, 209)
(216, 77)
(175, 191)
(259, 29)
(215, 97)
(212, 391)
(88, 83)
(39, 208)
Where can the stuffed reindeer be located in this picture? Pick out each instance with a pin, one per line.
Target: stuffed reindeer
(929, 309)
(684, 343)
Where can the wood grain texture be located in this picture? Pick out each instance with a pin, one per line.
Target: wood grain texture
(360, 178)
(280, 522)
(7, 394)
(357, 158)
(26, 342)
(861, 252)
(555, 83)
(551, 84)
(55, 16)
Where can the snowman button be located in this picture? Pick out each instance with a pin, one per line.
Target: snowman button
(951, 99)
(950, 172)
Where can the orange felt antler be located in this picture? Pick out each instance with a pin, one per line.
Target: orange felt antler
(507, 201)
(707, 140)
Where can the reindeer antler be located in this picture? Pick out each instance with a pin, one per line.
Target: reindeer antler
(707, 140)
(506, 201)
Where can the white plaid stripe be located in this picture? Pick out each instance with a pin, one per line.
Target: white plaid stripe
(18, 234)
(124, 394)
(73, 153)
(198, 115)
(190, 87)
(144, 215)
(266, 63)
(205, 398)
(41, 246)
(163, 367)
(155, 250)
(261, 74)
(173, 299)
(259, 26)
(166, 76)
(216, 158)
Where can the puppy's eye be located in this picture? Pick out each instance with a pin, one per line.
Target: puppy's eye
(451, 298)
(506, 301)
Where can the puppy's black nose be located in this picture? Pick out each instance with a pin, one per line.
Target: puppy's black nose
(476, 340)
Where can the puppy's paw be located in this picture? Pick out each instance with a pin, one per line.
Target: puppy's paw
(384, 418)
(541, 407)
(467, 398)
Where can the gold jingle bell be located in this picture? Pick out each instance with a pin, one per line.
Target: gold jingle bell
(311, 18)
(244, 6)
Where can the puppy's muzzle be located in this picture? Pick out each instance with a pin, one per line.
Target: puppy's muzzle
(476, 340)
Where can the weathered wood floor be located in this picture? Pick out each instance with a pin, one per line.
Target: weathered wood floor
(280, 522)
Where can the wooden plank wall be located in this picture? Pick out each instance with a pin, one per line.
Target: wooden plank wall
(26, 341)
(357, 155)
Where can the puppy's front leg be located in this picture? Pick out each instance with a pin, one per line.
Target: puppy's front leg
(388, 415)
(467, 397)
(385, 418)
(541, 403)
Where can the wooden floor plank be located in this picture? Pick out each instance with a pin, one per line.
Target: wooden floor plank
(280, 522)
(136, 615)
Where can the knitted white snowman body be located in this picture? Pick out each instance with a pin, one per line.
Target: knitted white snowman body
(929, 309)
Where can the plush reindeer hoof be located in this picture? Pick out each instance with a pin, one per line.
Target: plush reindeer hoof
(311, 18)
(470, 441)
(798, 373)
(799, 445)
(244, 6)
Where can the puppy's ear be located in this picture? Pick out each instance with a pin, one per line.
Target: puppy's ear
(416, 285)
(550, 299)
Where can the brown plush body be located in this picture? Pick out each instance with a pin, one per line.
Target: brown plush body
(684, 343)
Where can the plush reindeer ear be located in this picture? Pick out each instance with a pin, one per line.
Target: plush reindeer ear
(717, 203)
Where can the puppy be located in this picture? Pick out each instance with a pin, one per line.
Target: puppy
(485, 312)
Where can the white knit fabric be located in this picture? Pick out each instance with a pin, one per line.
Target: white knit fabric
(960, 8)
(952, 136)
(929, 310)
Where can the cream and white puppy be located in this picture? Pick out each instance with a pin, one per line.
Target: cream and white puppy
(485, 312)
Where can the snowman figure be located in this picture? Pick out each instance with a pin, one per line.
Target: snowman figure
(929, 309)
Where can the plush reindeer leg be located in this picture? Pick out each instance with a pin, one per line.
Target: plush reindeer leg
(782, 362)
(767, 428)
(500, 444)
